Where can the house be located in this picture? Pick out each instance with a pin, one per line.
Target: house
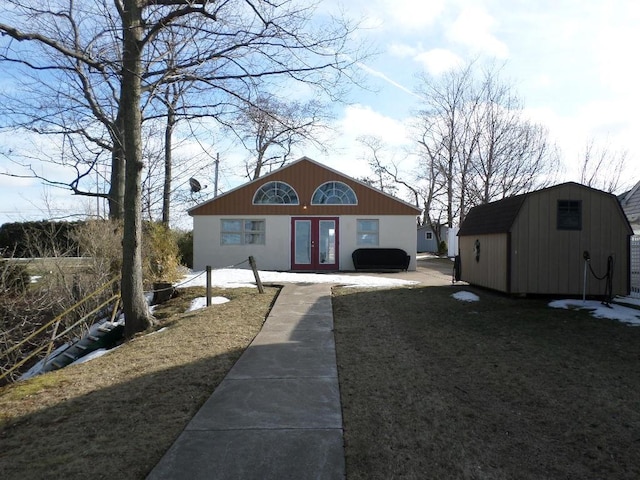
(426, 238)
(536, 243)
(301, 217)
(630, 202)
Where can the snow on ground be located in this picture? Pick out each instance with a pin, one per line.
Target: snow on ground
(201, 302)
(623, 314)
(466, 296)
(236, 278)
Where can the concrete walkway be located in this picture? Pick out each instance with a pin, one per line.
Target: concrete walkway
(277, 414)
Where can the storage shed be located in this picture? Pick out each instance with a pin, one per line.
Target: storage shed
(535, 243)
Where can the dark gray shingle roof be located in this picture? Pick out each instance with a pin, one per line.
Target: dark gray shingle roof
(494, 217)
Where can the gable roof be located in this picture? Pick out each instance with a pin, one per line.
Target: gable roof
(499, 216)
(304, 175)
(630, 202)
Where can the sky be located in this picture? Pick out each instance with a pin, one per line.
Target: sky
(573, 63)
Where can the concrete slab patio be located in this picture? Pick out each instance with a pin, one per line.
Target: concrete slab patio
(277, 414)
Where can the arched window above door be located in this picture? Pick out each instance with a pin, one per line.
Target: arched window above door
(275, 193)
(334, 193)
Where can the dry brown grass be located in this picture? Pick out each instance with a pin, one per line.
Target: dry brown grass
(499, 389)
(115, 416)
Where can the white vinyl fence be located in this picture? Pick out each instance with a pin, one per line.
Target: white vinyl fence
(635, 266)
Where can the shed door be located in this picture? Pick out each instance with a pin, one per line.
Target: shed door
(314, 243)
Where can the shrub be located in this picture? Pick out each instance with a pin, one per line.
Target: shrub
(160, 253)
(185, 247)
(14, 277)
(442, 248)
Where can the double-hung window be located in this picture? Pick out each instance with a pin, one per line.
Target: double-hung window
(368, 233)
(242, 232)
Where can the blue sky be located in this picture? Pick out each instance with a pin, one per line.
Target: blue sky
(574, 63)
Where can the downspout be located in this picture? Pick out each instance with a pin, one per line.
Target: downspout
(509, 261)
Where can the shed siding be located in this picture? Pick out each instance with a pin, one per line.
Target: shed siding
(490, 270)
(546, 260)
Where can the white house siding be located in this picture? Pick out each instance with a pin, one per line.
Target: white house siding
(395, 232)
(273, 255)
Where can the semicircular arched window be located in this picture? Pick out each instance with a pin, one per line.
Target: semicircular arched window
(276, 193)
(334, 193)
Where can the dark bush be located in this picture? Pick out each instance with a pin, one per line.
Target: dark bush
(442, 248)
(38, 239)
(185, 247)
(14, 277)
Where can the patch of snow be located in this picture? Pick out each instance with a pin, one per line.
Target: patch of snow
(628, 300)
(236, 278)
(627, 315)
(36, 369)
(90, 356)
(201, 302)
(466, 296)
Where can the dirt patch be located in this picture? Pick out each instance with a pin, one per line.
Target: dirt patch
(503, 388)
(115, 416)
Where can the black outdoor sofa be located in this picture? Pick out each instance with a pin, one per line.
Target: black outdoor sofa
(380, 259)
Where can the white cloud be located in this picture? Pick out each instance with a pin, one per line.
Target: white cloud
(361, 120)
(435, 60)
(439, 60)
(413, 14)
(390, 14)
(473, 28)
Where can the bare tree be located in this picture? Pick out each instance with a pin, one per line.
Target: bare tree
(602, 166)
(423, 186)
(386, 174)
(445, 135)
(236, 48)
(474, 141)
(269, 128)
(513, 154)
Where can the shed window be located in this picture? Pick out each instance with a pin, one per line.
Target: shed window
(334, 193)
(569, 215)
(368, 232)
(276, 193)
(428, 235)
(242, 232)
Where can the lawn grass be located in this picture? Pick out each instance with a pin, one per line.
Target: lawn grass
(115, 416)
(431, 388)
(503, 388)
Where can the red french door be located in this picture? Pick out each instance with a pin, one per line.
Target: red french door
(314, 243)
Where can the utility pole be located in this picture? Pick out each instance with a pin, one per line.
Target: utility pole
(215, 177)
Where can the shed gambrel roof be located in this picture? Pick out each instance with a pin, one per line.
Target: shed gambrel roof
(494, 217)
(304, 175)
(499, 216)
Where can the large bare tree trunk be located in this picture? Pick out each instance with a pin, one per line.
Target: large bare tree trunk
(136, 311)
(168, 159)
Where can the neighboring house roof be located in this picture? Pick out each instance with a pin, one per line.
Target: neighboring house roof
(498, 217)
(630, 202)
(304, 175)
